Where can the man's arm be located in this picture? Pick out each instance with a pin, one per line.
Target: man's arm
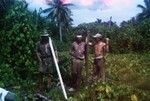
(104, 49)
(72, 53)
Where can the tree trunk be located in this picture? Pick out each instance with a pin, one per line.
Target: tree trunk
(87, 57)
(60, 32)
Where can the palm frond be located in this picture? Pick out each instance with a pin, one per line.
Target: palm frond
(50, 15)
(141, 16)
(68, 4)
(147, 3)
(145, 10)
(59, 12)
(141, 6)
(47, 10)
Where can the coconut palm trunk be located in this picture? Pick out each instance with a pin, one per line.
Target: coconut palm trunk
(60, 32)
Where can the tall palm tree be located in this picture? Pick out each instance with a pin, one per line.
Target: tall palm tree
(145, 10)
(60, 13)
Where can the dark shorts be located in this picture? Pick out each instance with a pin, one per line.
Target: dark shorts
(99, 69)
(100, 62)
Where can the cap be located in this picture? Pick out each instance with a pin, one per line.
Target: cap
(79, 36)
(97, 35)
(45, 33)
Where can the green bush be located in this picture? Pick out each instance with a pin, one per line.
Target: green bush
(127, 80)
(17, 43)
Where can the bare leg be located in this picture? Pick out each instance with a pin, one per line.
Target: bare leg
(97, 67)
(103, 70)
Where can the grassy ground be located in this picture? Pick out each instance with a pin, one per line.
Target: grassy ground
(128, 79)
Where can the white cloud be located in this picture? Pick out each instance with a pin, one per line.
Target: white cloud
(119, 13)
(90, 10)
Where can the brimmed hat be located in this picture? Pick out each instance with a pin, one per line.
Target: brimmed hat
(97, 35)
(45, 33)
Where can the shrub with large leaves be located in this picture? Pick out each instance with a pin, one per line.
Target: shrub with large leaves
(17, 41)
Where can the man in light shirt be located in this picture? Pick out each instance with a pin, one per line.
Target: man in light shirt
(77, 53)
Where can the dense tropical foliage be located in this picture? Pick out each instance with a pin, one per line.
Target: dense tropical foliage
(128, 63)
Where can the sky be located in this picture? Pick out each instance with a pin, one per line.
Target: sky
(85, 11)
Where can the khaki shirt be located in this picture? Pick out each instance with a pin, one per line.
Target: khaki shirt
(78, 50)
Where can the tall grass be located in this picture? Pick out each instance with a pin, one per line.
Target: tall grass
(128, 79)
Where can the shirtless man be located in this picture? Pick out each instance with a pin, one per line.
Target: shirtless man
(99, 54)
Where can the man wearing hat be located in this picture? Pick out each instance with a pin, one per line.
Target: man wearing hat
(45, 58)
(99, 53)
(78, 56)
